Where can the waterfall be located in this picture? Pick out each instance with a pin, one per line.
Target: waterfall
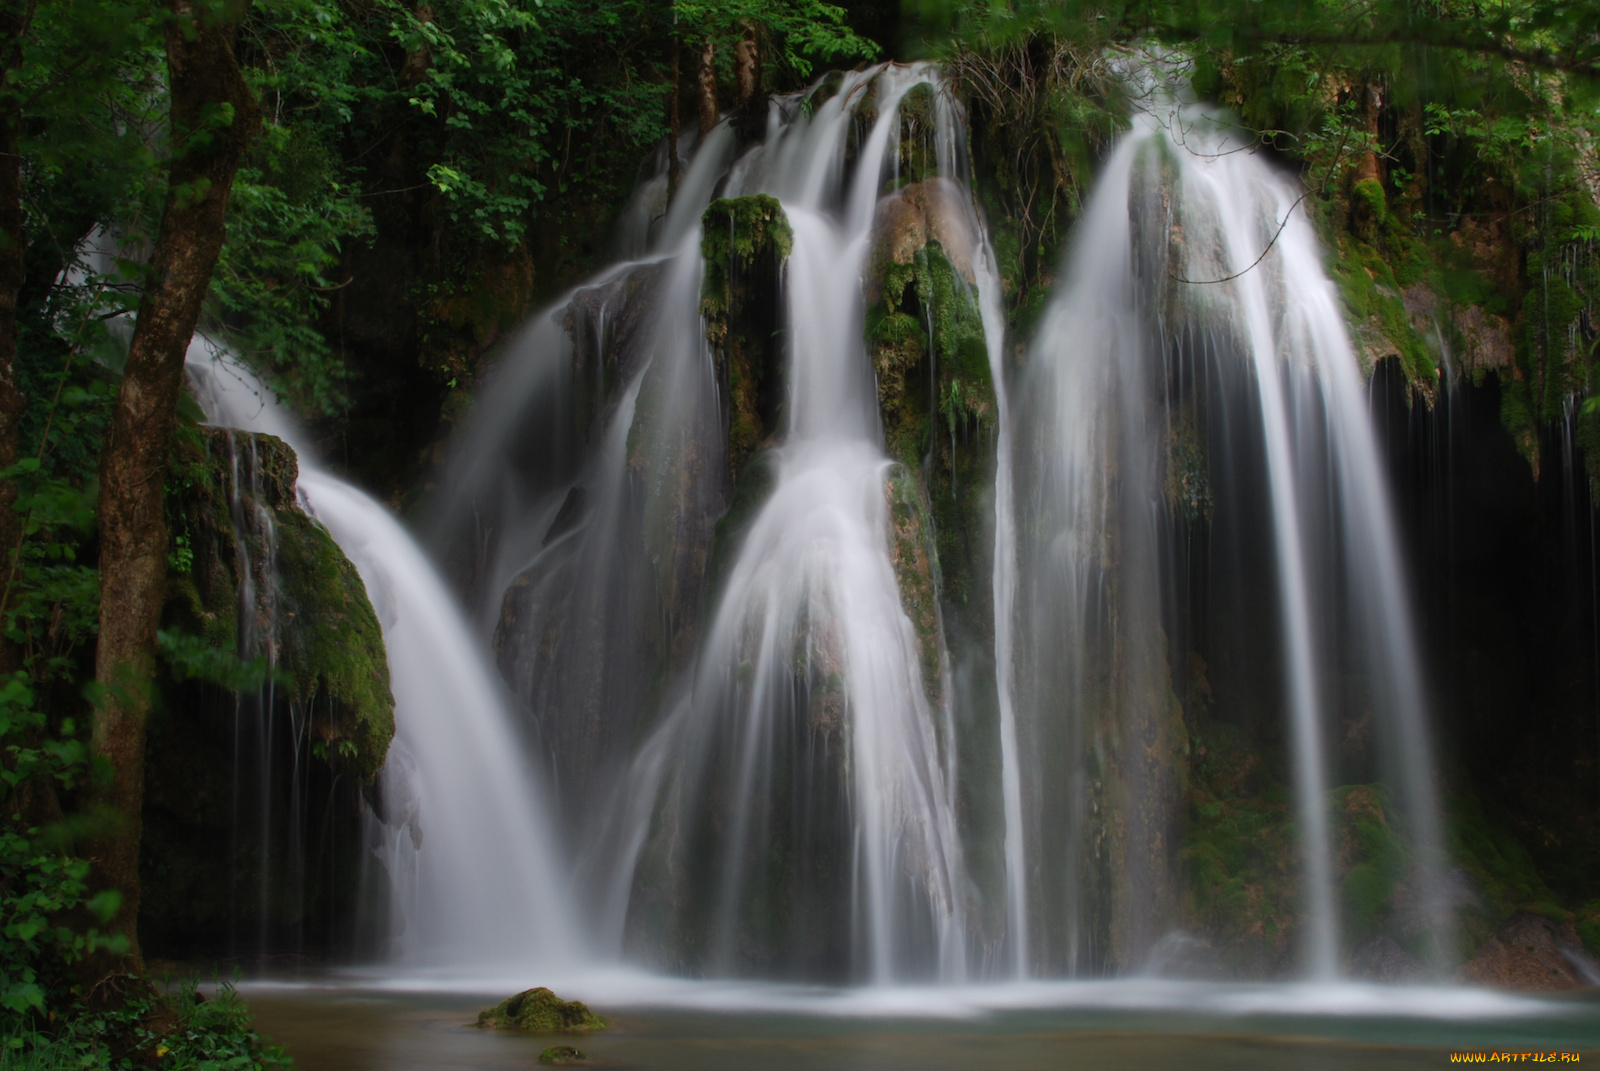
(483, 888)
(1194, 434)
(725, 737)
(803, 731)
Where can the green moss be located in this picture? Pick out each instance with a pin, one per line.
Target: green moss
(1516, 415)
(1588, 926)
(927, 307)
(735, 231)
(1369, 209)
(930, 357)
(1488, 852)
(1372, 296)
(539, 1011)
(1238, 855)
(1373, 857)
(332, 647)
(560, 1055)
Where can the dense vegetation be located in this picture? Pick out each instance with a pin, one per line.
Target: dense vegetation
(423, 173)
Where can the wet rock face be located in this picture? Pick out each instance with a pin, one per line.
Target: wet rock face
(1382, 960)
(1532, 952)
(915, 558)
(611, 595)
(258, 579)
(746, 242)
(610, 327)
(924, 328)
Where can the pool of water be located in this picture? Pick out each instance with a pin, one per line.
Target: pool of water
(367, 1024)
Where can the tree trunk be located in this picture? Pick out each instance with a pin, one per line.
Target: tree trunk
(674, 122)
(1371, 105)
(750, 117)
(13, 245)
(748, 65)
(214, 116)
(708, 89)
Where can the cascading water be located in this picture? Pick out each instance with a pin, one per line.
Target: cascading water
(1194, 437)
(807, 707)
(790, 810)
(484, 889)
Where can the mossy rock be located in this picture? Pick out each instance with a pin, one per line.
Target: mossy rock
(735, 231)
(539, 1011)
(922, 304)
(562, 1055)
(308, 609)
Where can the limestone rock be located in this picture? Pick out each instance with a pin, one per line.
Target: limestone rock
(923, 212)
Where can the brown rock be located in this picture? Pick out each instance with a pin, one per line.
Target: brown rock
(923, 212)
(1528, 952)
(1488, 341)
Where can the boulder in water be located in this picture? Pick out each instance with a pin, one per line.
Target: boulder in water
(539, 1011)
(562, 1055)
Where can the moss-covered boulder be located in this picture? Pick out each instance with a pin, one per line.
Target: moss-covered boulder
(260, 576)
(562, 1056)
(539, 1011)
(745, 242)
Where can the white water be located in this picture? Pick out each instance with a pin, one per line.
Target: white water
(631, 988)
(482, 885)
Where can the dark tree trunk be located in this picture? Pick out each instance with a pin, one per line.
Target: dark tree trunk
(674, 121)
(750, 117)
(204, 82)
(1371, 106)
(748, 64)
(708, 89)
(14, 19)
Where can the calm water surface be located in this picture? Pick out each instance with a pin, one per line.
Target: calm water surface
(1111, 1025)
